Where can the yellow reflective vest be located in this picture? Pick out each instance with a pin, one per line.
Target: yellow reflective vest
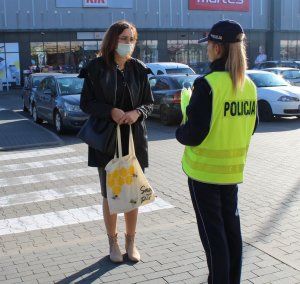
(185, 99)
(221, 157)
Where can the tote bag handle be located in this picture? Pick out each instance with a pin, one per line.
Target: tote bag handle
(131, 149)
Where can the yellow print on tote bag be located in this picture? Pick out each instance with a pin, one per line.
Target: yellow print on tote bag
(127, 186)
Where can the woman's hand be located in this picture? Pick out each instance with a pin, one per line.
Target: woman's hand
(117, 115)
(121, 117)
(131, 117)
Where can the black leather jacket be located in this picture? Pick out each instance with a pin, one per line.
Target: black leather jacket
(99, 97)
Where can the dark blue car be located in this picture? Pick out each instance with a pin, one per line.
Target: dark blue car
(166, 91)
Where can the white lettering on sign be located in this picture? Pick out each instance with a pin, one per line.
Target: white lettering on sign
(95, 3)
(220, 5)
(240, 2)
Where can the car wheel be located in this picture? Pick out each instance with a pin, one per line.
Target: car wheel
(264, 111)
(164, 115)
(58, 123)
(35, 116)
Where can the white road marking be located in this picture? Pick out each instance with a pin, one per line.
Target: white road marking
(61, 175)
(36, 153)
(49, 194)
(66, 217)
(51, 219)
(43, 164)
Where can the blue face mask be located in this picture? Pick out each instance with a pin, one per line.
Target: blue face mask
(125, 49)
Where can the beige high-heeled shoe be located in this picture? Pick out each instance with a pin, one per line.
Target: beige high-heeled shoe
(115, 254)
(132, 251)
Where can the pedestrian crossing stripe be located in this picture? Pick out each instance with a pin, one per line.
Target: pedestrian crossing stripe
(53, 176)
(36, 153)
(42, 164)
(66, 217)
(49, 194)
(58, 218)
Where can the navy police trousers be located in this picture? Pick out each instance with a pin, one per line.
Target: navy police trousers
(216, 208)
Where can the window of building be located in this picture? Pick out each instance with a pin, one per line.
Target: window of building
(289, 49)
(10, 63)
(146, 50)
(62, 56)
(283, 49)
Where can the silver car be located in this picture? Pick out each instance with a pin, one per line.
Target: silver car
(56, 101)
(30, 85)
(292, 75)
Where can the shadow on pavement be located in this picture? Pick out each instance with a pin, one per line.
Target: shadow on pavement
(279, 125)
(18, 132)
(93, 272)
(281, 211)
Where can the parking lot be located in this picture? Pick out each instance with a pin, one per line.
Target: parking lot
(52, 231)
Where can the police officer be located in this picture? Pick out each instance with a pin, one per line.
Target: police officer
(221, 118)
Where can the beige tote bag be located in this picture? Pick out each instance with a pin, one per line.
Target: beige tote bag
(127, 185)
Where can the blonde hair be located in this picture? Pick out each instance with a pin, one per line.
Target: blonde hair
(236, 61)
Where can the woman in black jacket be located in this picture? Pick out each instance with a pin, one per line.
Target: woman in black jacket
(116, 88)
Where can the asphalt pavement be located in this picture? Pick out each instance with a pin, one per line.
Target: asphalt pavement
(18, 131)
(51, 224)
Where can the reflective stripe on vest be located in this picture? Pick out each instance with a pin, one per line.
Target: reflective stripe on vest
(221, 154)
(221, 157)
(219, 169)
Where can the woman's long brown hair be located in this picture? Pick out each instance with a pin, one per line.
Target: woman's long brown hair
(110, 40)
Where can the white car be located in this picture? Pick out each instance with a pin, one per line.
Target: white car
(276, 97)
(164, 68)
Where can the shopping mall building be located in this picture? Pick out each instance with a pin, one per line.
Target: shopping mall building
(65, 34)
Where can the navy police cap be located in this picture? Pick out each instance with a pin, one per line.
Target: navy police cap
(224, 31)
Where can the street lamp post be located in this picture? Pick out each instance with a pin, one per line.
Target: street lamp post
(43, 34)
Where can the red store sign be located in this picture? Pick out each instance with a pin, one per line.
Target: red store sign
(220, 5)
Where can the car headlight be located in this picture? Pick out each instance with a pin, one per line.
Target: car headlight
(70, 107)
(288, 99)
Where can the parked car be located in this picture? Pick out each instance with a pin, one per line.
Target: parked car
(276, 97)
(30, 85)
(201, 68)
(160, 68)
(277, 63)
(56, 100)
(166, 91)
(292, 75)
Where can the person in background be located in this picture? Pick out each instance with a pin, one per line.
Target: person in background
(221, 118)
(116, 87)
(261, 57)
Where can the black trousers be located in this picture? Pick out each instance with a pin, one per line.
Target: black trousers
(216, 208)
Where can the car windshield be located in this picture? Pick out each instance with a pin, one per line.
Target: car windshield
(37, 80)
(182, 81)
(179, 71)
(291, 74)
(70, 85)
(267, 80)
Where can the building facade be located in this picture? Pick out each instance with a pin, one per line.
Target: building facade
(65, 34)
